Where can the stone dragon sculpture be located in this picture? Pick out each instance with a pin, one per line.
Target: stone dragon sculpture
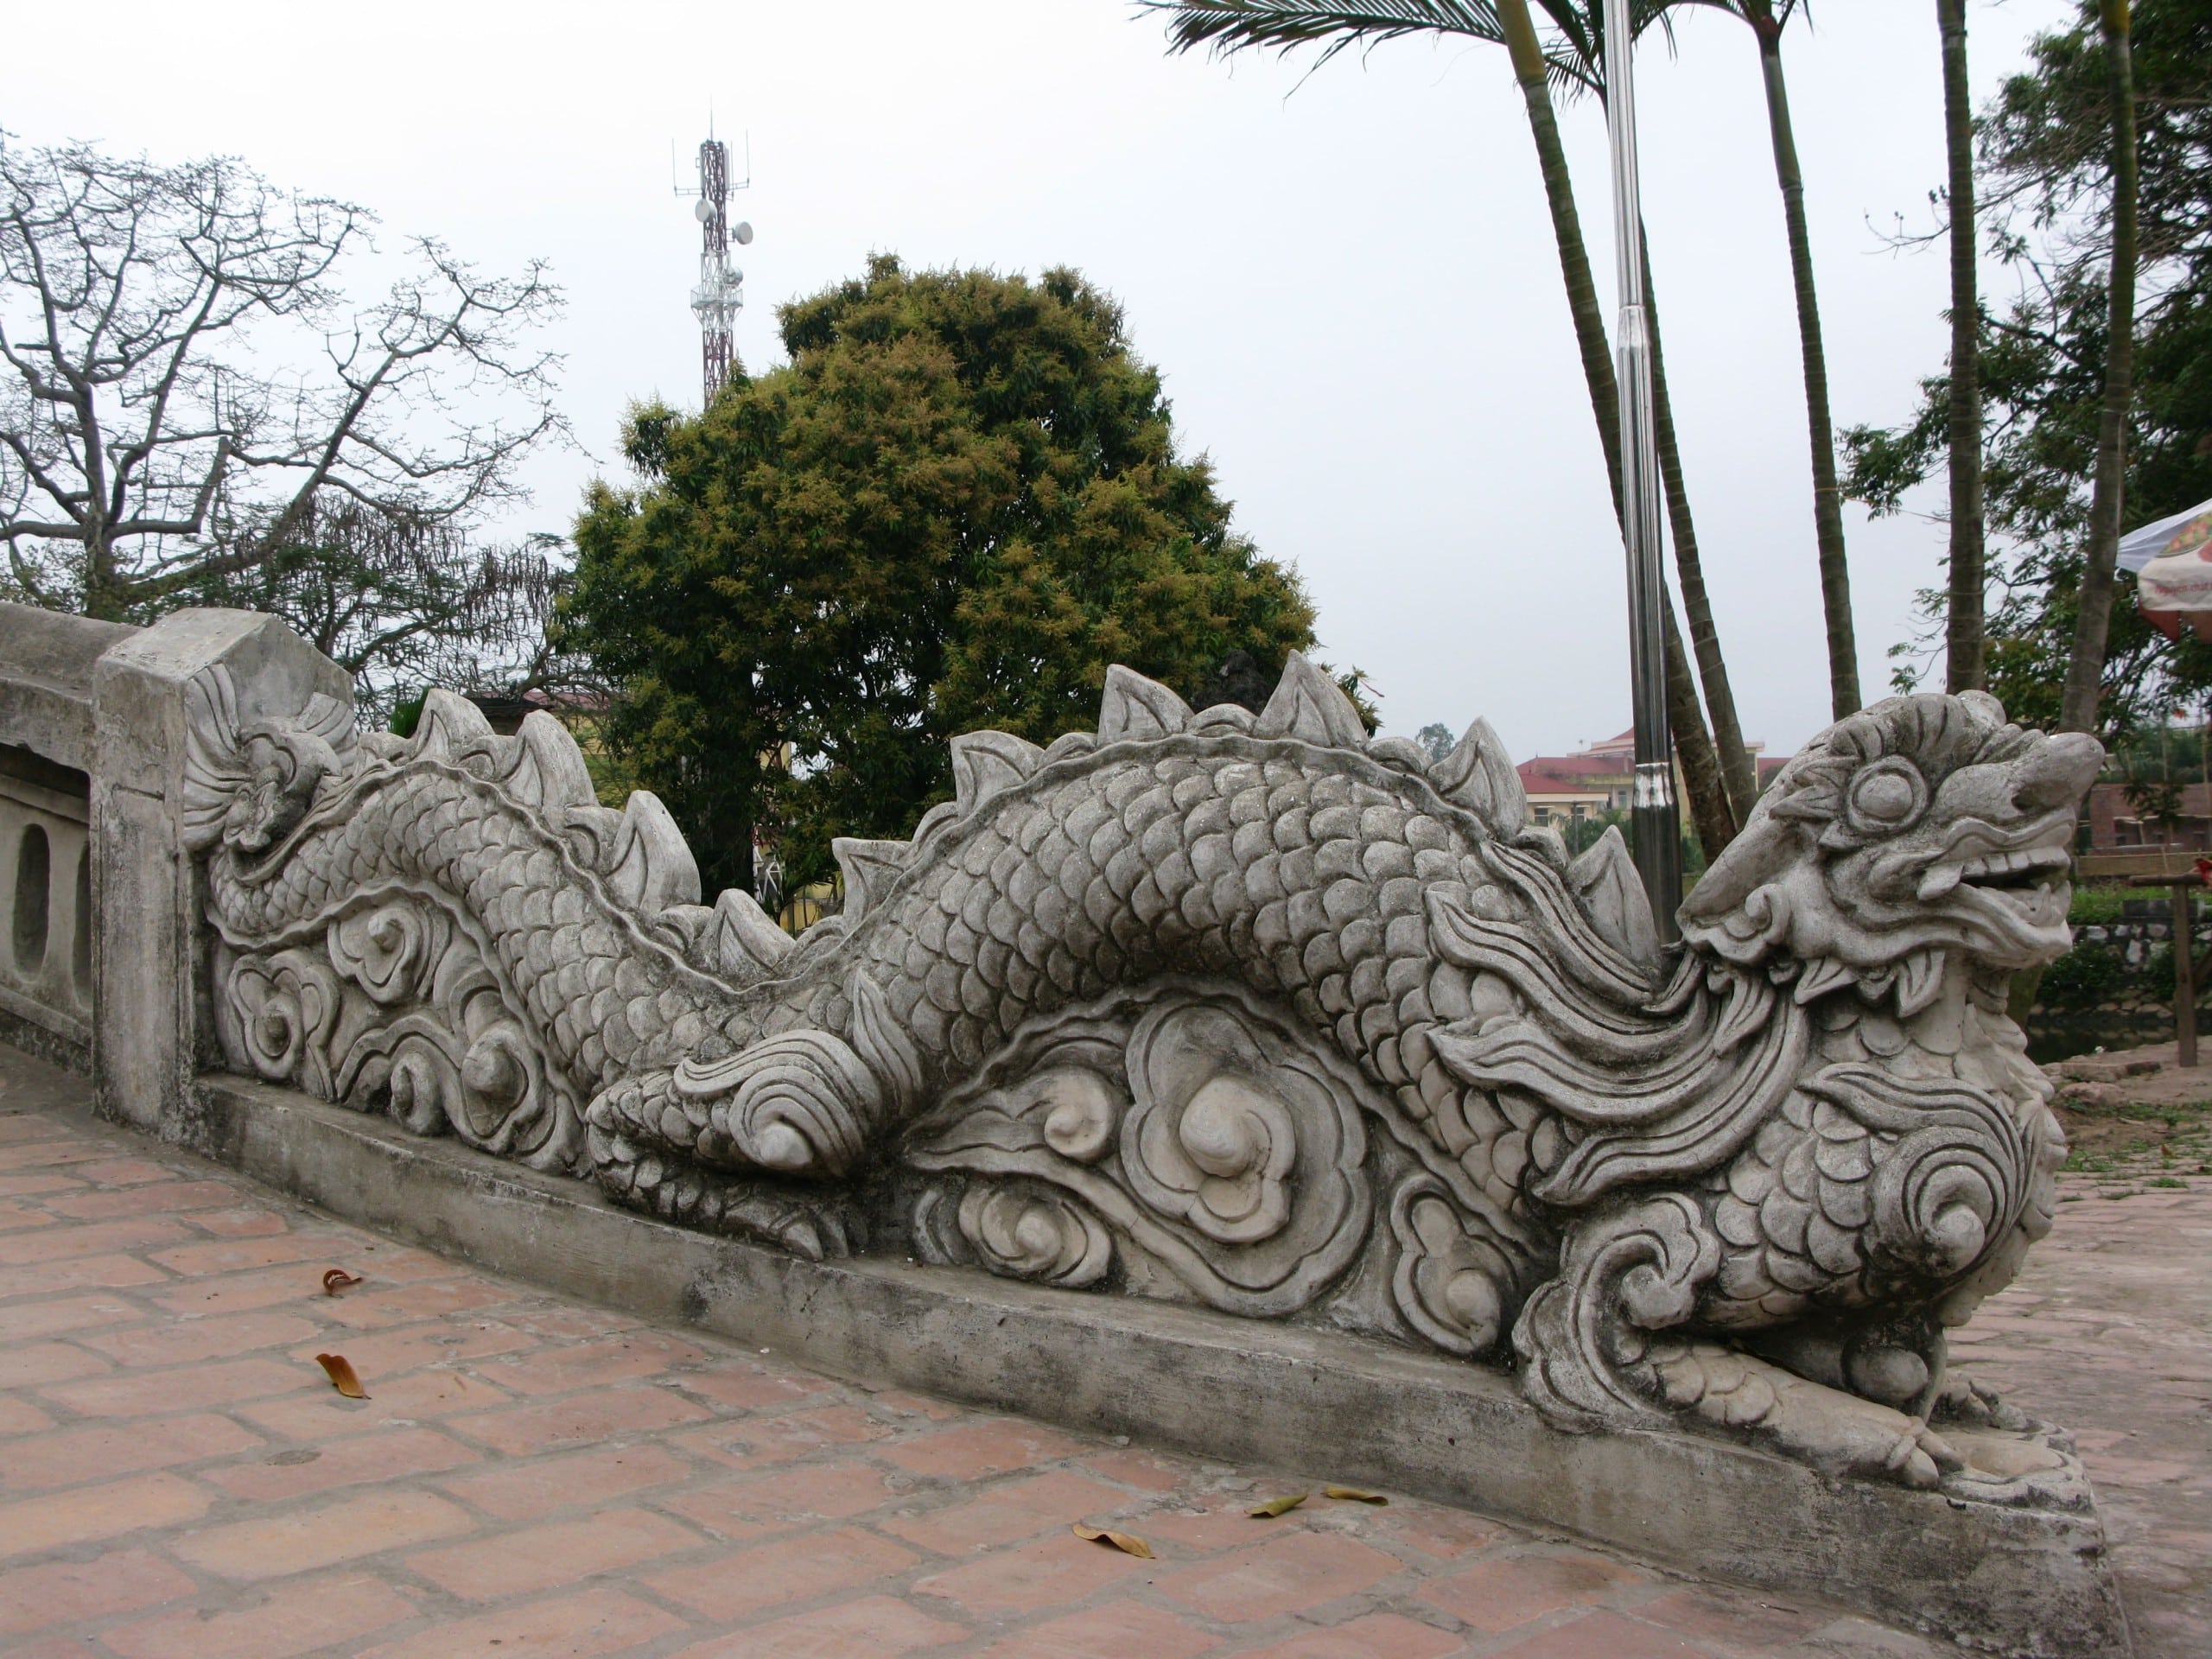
(1244, 1010)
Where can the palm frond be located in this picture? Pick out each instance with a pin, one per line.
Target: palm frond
(1573, 44)
(1230, 26)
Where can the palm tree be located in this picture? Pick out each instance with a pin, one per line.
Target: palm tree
(1721, 784)
(1965, 647)
(1768, 20)
(2085, 669)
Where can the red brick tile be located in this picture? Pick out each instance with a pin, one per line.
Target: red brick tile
(387, 1454)
(877, 1628)
(138, 1393)
(901, 1404)
(523, 1490)
(1379, 1635)
(21, 1417)
(35, 1363)
(550, 1557)
(95, 1512)
(299, 1284)
(1219, 1520)
(47, 1154)
(71, 1313)
(1737, 1620)
(241, 1223)
(1139, 1469)
(1287, 1575)
(1445, 1533)
(1022, 1510)
(742, 1386)
(1604, 1635)
(241, 1254)
(24, 1187)
(53, 1648)
(182, 1342)
(370, 1307)
(102, 1452)
(122, 1171)
(62, 1592)
(582, 1420)
(380, 1262)
(272, 1547)
(565, 1322)
(293, 1619)
(80, 1273)
(802, 1496)
(326, 1414)
(576, 1627)
(1115, 1630)
(57, 1244)
(168, 1198)
(1051, 1573)
(564, 1369)
(391, 1351)
(1496, 1595)
(762, 1441)
(743, 1582)
(991, 1447)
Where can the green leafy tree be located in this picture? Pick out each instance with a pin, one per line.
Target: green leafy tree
(959, 503)
(2045, 174)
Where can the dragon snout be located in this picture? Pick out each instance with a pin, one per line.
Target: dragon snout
(2058, 771)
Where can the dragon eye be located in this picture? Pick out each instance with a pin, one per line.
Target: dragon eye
(1886, 796)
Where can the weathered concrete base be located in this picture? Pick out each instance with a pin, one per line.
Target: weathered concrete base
(2015, 1569)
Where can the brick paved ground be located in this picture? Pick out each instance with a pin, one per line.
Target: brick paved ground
(534, 1476)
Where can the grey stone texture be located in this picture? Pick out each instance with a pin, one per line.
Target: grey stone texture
(1229, 1017)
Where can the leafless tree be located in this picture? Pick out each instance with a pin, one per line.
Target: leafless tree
(190, 405)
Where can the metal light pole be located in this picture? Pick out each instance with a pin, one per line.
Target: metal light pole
(1658, 831)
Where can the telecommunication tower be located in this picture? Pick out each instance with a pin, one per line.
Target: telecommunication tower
(721, 293)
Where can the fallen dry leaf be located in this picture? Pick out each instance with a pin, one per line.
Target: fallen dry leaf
(1275, 1506)
(340, 1372)
(337, 1279)
(1352, 1494)
(1127, 1542)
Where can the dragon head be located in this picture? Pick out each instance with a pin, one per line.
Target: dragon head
(1921, 828)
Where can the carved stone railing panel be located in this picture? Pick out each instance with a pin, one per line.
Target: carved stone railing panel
(1239, 1010)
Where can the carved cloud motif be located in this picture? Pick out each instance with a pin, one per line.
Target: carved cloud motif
(1212, 1140)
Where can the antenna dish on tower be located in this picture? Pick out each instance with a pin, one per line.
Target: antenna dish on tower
(741, 233)
(719, 295)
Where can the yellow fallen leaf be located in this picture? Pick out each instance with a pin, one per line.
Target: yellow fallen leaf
(340, 1372)
(1275, 1506)
(337, 1279)
(1127, 1542)
(1352, 1494)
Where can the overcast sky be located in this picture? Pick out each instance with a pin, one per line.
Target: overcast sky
(1349, 283)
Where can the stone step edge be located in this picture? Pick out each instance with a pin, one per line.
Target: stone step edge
(2029, 1581)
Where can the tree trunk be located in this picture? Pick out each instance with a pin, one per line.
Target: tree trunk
(2085, 670)
(1710, 815)
(1966, 652)
(1736, 773)
(1700, 770)
(1827, 500)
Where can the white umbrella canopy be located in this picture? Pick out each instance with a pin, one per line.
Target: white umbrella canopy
(2172, 561)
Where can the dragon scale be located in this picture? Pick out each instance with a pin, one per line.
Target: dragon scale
(1242, 1009)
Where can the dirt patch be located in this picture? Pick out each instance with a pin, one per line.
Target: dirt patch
(2133, 1113)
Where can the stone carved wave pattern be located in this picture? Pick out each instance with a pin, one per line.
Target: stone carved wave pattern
(398, 1007)
(1192, 1005)
(1221, 1148)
